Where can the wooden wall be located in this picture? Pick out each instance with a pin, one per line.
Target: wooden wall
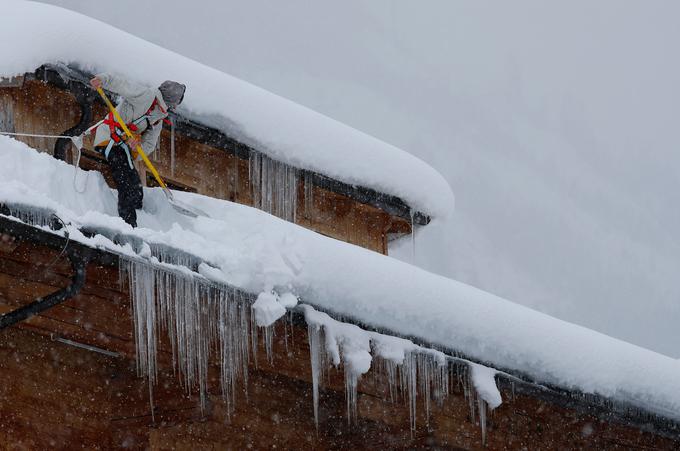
(40, 108)
(208, 170)
(54, 395)
(341, 218)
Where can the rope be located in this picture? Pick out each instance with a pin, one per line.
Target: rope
(74, 139)
(34, 135)
(77, 142)
(75, 171)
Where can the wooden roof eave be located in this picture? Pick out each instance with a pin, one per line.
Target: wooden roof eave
(592, 404)
(66, 76)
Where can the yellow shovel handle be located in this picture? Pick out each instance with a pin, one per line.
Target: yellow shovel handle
(139, 149)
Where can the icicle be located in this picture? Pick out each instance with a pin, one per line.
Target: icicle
(423, 363)
(413, 236)
(141, 282)
(481, 405)
(309, 194)
(274, 186)
(351, 382)
(269, 343)
(292, 324)
(233, 347)
(469, 391)
(285, 334)
(253, 338)
(155, 152)
(314, 334)
(433, 379)
(174, 256)
(172, 148)
(198, 318)
(235, 180)
(255, 175)
(36, 216)
(406, 369)
(410, 386)
(442, 382)
(391, 371)
(242, 325)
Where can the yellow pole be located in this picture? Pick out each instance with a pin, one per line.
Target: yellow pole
(139, 149)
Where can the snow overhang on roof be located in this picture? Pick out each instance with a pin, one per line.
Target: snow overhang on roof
(344, 157)
(140, 259)
(258, 253)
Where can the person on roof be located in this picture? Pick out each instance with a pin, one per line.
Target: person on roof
(144, 110)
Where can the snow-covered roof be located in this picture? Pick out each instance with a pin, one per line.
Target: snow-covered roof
(257, 252)
(33, 34)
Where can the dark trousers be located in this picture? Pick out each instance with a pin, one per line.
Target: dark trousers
(130, 193)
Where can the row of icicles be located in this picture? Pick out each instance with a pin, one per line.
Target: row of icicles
(204, 320)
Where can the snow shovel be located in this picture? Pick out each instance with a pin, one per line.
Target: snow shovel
(177, 205)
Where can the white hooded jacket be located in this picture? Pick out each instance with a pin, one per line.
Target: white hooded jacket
(136, 103)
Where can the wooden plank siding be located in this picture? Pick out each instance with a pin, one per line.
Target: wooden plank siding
(38, 107)
(53, 395)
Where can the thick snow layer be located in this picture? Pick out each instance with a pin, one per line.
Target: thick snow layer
(258, 252)
(284, 130)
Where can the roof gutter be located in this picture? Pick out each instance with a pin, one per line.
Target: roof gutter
(78, 263)
(77, 253)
